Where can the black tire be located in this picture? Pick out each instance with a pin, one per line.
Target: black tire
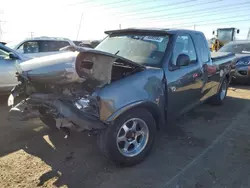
(49, 122)
(107, 139)
(218, 98)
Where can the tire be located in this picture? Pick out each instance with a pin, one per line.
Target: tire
(221, 95)
(142, 135)
(49, 122)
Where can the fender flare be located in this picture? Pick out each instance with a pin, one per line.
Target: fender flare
(152, 107)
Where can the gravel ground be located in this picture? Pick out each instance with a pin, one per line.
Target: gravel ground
(208, 147)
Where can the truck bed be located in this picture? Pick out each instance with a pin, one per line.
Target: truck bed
(216, 56)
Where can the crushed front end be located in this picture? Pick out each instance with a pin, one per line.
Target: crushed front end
(64, 88)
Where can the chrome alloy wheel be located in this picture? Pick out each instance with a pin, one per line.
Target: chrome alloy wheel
(132, 137)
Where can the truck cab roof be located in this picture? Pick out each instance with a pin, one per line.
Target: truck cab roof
(161, 31)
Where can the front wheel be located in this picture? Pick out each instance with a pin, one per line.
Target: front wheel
(129, 140)
(221, 95)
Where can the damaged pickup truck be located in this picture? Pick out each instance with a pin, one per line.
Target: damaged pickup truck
(129, 86)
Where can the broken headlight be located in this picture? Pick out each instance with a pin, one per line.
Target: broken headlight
(82, 103)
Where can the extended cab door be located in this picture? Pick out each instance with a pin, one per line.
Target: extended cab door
(184, 82)
(209, 69)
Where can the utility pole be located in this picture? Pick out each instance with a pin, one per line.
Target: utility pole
(248, 34)
(120, 26)
(79, 27)
(1, 32)
(31, 34)
(194, 26)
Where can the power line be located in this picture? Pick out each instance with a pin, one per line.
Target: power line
(200, 15)
(199, 10)
(164, 10)
(184, 6)
(156, 7)
(213, 23)
(213, 20)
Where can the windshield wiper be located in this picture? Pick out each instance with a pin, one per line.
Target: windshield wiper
(117, 52)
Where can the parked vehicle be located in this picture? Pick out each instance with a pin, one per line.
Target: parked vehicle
(241, 66)
(223, 36)
(88, 44)
(129, 86)
(76, 42)
(8, 59)
(40, 46)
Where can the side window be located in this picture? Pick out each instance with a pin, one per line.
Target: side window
(184, 45)
(56, 45)
(29, 47)
(52, 46)
(203, 48)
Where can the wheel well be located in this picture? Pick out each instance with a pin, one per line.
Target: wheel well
(150, 106)
(152, 110)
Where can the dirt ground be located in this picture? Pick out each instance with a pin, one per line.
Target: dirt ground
(208, 147)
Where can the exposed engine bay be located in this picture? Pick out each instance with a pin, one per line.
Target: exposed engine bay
(64, 87)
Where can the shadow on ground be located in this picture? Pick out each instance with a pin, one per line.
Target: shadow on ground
(77, 162)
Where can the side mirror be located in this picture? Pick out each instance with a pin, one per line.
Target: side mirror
(238, 31)
(13, 56)
(183, 60)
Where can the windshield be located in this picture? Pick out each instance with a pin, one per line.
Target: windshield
(141, 49)
(225, 34)
(236, 48)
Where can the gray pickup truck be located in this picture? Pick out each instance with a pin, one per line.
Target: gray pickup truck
(132, 84)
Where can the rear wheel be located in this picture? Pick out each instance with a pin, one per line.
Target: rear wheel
(130, 139)
(221, 95)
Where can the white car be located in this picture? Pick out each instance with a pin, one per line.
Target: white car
(41, 46)
(8, 60)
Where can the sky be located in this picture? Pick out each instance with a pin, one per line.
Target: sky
(20, 19)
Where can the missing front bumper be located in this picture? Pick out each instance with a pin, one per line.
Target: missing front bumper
(28, 109)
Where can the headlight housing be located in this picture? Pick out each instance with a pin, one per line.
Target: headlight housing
(82, 103)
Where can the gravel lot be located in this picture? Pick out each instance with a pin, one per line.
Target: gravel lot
(208, 147)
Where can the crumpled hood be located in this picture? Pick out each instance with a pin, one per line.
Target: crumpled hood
(75, 64)
(96, 66)
(50, 60)
(53, 69)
